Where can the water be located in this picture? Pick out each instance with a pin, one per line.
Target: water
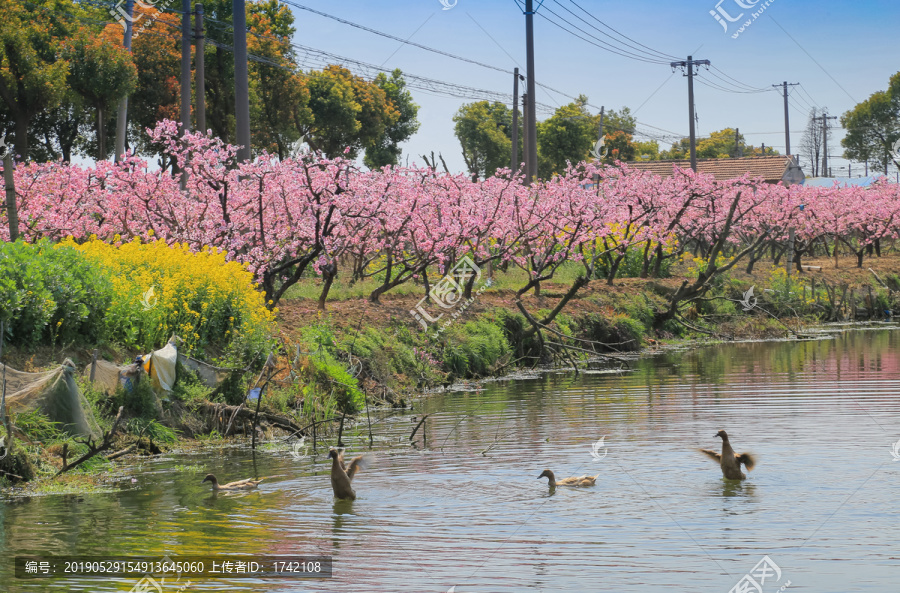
(468, 510)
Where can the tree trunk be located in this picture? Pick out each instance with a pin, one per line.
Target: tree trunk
(101, 137)
(21, 144)
(329, 273)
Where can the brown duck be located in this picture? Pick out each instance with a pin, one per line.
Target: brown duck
(248, 484)
(731, 461)
(573, 481)
(342, 475)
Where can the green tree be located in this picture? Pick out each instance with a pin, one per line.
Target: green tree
(567, 136)
(619, 147)
(873, 126)
(484, 130)
(650, 149)
(279, 95)
(32, 71)
(385, 150)
(101, 72)
(619, 121)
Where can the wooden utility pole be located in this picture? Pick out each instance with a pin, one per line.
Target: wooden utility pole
(531, 117)
(688, 65)
(122, 115)
(12, 213)
(185, 66)
(514, 162)
(241, 81)
(825, 118)
(738, 149)
(787, 124)
(200, 67)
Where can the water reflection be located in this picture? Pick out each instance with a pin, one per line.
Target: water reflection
(467, 507)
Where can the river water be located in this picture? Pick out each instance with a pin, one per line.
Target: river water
(465, 508)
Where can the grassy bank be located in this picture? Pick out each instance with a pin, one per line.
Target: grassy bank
(335, 363)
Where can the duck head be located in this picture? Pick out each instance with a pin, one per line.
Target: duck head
(722, 434)
(546, 474)
(333, 453)
(210, 478)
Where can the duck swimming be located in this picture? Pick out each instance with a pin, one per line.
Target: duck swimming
(342, 475)
(248, 484)
(573, 481)
(730, 461)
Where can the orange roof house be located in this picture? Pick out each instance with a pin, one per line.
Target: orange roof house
(772, 168)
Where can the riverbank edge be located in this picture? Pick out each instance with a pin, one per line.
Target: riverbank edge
(394, 361)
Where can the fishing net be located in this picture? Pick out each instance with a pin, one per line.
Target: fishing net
(55, 394)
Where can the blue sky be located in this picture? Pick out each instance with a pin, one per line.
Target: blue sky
(841, 53)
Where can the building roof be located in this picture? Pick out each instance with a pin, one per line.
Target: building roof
(772, 168)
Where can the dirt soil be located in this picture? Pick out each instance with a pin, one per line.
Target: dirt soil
(596, 297)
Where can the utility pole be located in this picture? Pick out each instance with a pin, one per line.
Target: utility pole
(738, 149)
(689, 66)
(531, 117)
(200, 68)
(241, 82)
(600, 131)
(185, 66)
(825, 118)
(524, 159)
(514, 162)
(787, 125)
(12, 212)
(122, 115)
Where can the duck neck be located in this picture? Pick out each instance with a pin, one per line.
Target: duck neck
(552, 480)
(726, 446)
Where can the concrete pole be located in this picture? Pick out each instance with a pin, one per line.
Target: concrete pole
(122, 115)
(200, 67)
(241, 81)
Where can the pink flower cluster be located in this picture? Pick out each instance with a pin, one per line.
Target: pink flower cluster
(283, 218)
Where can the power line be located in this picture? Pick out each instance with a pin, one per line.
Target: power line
(601, 45)
(394, 37)
(661, 54)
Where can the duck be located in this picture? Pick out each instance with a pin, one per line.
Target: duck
(248, 484)
(573, 481)
(342, 475)
(731, 461)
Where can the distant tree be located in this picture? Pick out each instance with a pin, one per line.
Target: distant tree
(811, 144)
(619, 121)
(619, 147)
(101, 72)
(650, 149)
(484, 130)
(873, 126)
(567, 136)
(32, 71)
(385, 150)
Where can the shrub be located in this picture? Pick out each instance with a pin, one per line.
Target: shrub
(50, 295)
(473, 349)
(211, 303)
